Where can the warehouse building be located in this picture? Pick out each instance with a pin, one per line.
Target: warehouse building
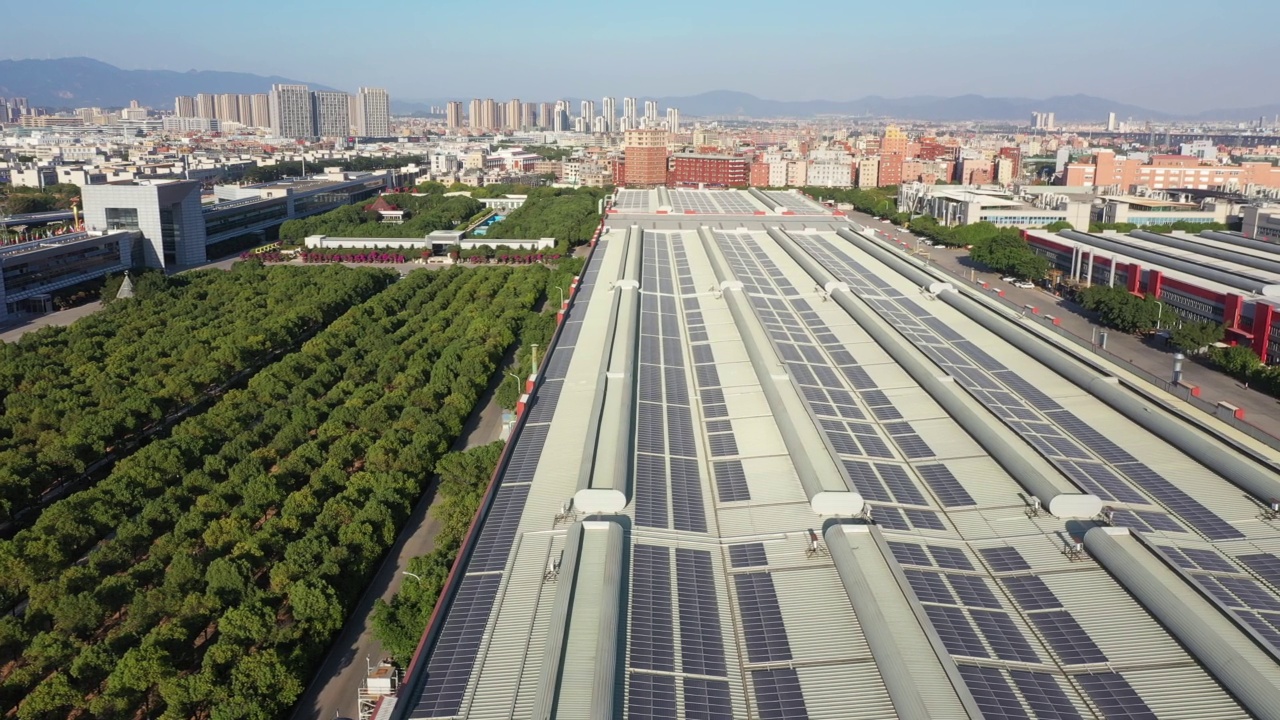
(773, 468)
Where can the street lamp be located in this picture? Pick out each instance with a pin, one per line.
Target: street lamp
(1159, 313)
(534, 360)
(561, 295)
(412, 575)
(517, 379)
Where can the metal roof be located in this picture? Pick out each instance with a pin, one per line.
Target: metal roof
(802, 488)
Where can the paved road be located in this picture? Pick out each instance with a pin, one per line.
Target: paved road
(1260, 409)
(335, 685)
(57, 318)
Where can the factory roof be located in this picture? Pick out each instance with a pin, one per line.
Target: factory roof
(776, 471)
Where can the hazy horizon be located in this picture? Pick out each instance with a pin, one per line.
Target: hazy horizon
(569, 48)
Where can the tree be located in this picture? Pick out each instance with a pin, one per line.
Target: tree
(1118, 308)
(1238, 361)
(1003, 251)
(261, 689)
(1196, 337)
(52, 698)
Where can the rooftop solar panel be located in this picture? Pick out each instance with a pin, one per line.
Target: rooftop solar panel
(1030, 593)
(957, 633)
(1005, 639)
(1004, 559)
(747, 555)
(1266, 565)
(1115, 697)
(652, 697)
(707, 699)
(687, 511)
(651, 491)
(1045, 695)
(451, 660)
(991, 691)
(762, 625)
(930, 587)
(652, 641)
(499, 530)
(778, 694)
(1069, 641)
(701, 643)
(949, 557)
(973, 591)
(945, 486)
(731, 481)
(909, 554)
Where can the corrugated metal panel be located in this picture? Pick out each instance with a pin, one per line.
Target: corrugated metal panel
(946, 439)
(759, 436)
(736, 374)
(845, 692)
(1183, 693)
(746, 402)
(514, 658)
(577, 676)
(1121, 628)
(889, 376)
(915, 404)
(773, 480)
(986, 481)
(821, 626)
(749, 520)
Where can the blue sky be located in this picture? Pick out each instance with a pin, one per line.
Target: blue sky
(780, 49)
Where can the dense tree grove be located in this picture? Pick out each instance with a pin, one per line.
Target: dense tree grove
(398, 625)
(21, 200)
(1179, 226)
(1004, 250)
(424, 214)
(206, 575)
(570, 216)
(74, 395)
(1120, 309)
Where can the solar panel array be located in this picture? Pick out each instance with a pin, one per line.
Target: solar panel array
(1094, 463)
(858, 419)
(652, 644)
(453, 656)
(1233, 589)
(1000, 656)
(668, 485)
(796, 203)
(631, 201)
(712, 202)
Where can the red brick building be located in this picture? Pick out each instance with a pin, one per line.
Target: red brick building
(890, 170)
(758, 175)
(717, 170)
(645, 159)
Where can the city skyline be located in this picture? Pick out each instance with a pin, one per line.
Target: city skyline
(1107, 58)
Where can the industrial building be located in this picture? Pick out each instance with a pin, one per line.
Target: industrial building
(1212, 277)
(774, 468)
(30, 271)
(966, 205)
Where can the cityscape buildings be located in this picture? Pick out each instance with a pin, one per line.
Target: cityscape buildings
(373, 112)
(292, 112)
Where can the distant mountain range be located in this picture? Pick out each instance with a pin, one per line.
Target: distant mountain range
(85, 82)
(82, 82)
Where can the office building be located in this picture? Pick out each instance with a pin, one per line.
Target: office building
(30, 271)
(802, 481)
(695, 169)
(332, 114)
(673, 120)
(166, 214)
(629, 112)
(373, 113)
(644, 158)
(1166, 172)
(1261, 223)
(292, 114)
(609, 110)
(453, 115)
(184, 106)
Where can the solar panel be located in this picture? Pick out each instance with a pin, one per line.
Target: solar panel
(1115, 697)
(722, 445)
(544, 402)
(890, 517)
(1189, 509)
(909, 554)
(1068, 640)
(762, 625)
(973, 591)
(957, 634)
(1005, 639)
(778, 695)
(651, 491)
(1209, 560)
(991, 691)
(649, 428)
(652, 697)
(707, 699)
(524, 459)
(1030, 593)
(451, 660)
(865, 480)
(1266, 565)
(1125, 518)
(498, 532)
(731, 481)
(929, 587)
(747, 555)
(701, 643)
(1046, 697)
(1251, 594)
(1177, 557)
(1159, 521)
(945, 486)
(1004, 559)
(949, 557)
(652, 641)
(680, 436)
(924, 519)
(897, 480)
(687, 510)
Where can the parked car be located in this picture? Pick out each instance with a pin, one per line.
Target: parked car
(1009, 279)
(1025, 284)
